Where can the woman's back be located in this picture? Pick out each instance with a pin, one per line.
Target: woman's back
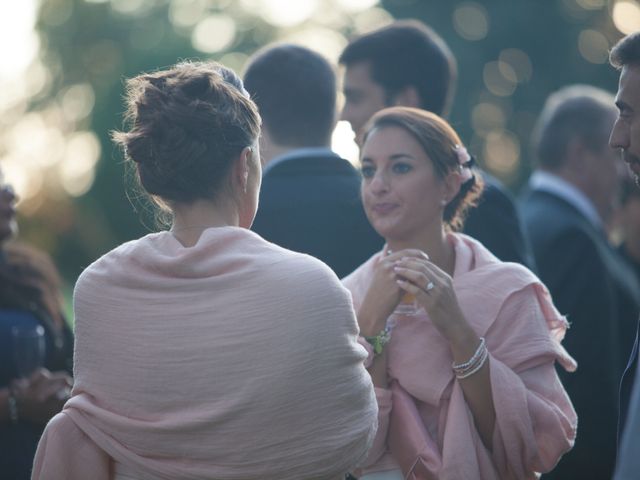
(235, 354)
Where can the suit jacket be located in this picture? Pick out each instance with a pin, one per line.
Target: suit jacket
(496, 223)
(311, 204)
(629, 422)
(590, 284)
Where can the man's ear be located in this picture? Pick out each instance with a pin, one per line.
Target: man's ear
(407, 97)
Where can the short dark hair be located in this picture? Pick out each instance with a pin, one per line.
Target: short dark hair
(626, 51)
(439, 141)
(577, 111)
(187, 124)
(408, 53)
(295, 90)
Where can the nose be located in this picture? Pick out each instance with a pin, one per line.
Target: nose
(619, 137)
(379, 183)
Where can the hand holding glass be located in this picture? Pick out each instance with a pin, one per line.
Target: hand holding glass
(28, 346)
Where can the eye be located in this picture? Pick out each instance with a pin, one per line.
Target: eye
(401, 168)
(367, 171)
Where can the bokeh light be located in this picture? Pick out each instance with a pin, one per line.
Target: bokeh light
(487, 117)
(282, 13)
(371, 19)
(502, 152)
(593, 46)
(626, 16)
(214, 33)
(323, 40)
(471, 21)
(500, 78)
(186, 13)
(352, 6)
(519, 62)
(17, 20)
(77, 169)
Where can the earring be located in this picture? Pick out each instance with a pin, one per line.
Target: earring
(444, 202)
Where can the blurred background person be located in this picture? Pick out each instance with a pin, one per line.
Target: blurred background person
(36, 347)
(310, 197)
(464, 368)
(206, 352)
(571, 195)
(408, 64)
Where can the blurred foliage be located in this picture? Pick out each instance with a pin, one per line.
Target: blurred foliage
(511, 55)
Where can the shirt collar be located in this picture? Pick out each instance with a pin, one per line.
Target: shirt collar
(299, 153)
(551, 183)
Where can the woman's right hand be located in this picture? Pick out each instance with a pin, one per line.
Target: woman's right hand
(383, 294)
(42, 395)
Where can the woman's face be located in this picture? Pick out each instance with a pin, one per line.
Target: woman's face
(8, 225)
(401, 192)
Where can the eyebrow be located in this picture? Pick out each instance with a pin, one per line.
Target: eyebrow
(395, 156)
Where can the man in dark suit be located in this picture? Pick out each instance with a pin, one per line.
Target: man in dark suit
(408, 64)
(310, 197)
(569, 197)
(625, 136)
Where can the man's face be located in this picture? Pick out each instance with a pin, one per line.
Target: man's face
(626, 131)
(363, 97)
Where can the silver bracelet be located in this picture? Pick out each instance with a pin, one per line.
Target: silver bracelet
(461, 367)
(474, 369)
(13, 408)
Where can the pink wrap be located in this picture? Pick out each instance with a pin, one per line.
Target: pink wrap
(232, 359)
(425, 426)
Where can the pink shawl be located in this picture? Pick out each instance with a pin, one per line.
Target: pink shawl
(425, 426)
(232, 359)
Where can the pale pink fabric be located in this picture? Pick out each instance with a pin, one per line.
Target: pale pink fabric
(232, 359)
(535, 420)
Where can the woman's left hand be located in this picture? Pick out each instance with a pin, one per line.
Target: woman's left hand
(433, 290)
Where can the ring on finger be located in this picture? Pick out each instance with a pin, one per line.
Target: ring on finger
(429, 286)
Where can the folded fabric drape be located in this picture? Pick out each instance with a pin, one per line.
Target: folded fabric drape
(232, 359)
(425, 426)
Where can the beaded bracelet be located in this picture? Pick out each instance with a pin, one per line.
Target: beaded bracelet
(475, 368)
(468, 368)
(13, 408)
(379, 341)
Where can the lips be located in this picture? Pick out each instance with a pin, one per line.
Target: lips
(383, 208)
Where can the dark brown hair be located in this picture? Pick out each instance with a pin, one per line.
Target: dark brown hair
(295, 90)
(439, 141)
(407, 53)
(187, 124)
(626, 51)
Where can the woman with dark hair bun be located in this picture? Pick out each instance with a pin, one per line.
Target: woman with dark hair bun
(205, 352)
(461, 346)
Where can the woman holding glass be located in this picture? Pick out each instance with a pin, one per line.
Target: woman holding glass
(461, 346)
(36, 347)
(206, 352)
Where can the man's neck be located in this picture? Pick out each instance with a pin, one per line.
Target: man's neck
(274, 151)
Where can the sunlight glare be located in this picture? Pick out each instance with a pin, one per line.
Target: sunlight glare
(626, 16)
(343, 142)
(19, 42)
(285, 13)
